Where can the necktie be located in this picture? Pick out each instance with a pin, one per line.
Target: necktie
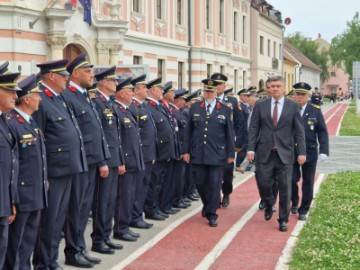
(208, 109)
(275, 113)
(32, 123)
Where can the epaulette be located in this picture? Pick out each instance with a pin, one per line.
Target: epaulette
(152, 103)
(225, 104)
(316, 106)
(121, 108)
(48, 93)
(72, 88)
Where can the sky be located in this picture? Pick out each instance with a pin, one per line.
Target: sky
(311, 17)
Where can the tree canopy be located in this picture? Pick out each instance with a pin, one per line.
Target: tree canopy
(345, 47)
(310, 49)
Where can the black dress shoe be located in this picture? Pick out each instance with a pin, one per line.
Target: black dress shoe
(155, 216)
(55, 266)
(102, 248)
(273, 208)
(141, 225)
(262, 205)
(171, 211)
(180, 205)
(125, 237)
(113, 245)
(78, 260)
(186, 200)
(302, 216)
(161, 213)
(226, 201)
(268, 213)
(90, 258)
(213, 223)
(294, 209)
(193, 197)
(135, 234)
(283, 226)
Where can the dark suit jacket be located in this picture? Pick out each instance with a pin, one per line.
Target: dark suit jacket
(262, 133)
(32, 164)
(65, 151)
(111, 126)
(164, 130)
(9, 167)
(315, 131)
(90, 125)
(182, 124)
(130, 139)
(147, 129)
(209, 140)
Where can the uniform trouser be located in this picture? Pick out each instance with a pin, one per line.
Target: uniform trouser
(21, 244)
(208, 183)
(178, 174)
(4, 234)
(141, 192)
(266, 174)
(104, 206)
(240, 157)
(81, 196)
(158, 173)
(51, 222)
(189, 186)
(308, 174)
(167, 188)
(228, 175)
(125, 202)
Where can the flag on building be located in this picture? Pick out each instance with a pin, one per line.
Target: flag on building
(87, 10)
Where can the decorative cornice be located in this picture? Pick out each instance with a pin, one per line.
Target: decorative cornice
(103, 47)
(56, 40)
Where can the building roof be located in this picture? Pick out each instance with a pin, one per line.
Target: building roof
(295, 54)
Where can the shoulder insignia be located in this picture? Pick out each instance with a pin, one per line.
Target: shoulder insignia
(101, 97)
(316, 106)
(218, 105)
(48, 93)
(20, 118)
(229, 105)
(72, 88)
(202, 104)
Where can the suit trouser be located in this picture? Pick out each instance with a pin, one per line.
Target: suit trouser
(4, 234)
(240, 157)
(158, 173)
(167, 188)
(82, 192)
(104, 206)
(228, 176)
(189, 186)
(51, 222)
(308, 174)
(178, 175)
(125, 202)
(266, 174)
(21, 244)
(208, 183)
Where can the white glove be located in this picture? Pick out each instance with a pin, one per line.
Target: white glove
(323, 157)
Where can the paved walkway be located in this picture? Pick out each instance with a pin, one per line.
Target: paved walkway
(243, 239)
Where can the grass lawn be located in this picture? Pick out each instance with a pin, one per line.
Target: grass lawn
(331, 237)
(350, 124)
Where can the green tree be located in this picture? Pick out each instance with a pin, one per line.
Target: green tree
(345, 47)
(310, 49)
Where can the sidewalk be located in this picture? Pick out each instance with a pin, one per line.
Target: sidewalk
(243, 239)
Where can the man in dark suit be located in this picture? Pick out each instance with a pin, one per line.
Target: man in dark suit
(274, 123)
(316, 97)
(134, 162)
(209, 145)
(315, 134)
(65, 159)
(147, 128)
(82, 189)
(8, 161)
(32, 179)
(239, 126)
(165, 146)
(106, 187)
